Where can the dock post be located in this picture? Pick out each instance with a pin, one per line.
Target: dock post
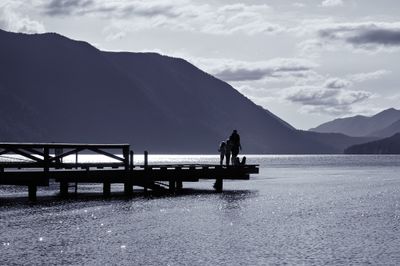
(106, 189)
(125, 151)
(179, 184)
(131, 160)
(172, 184)
(46, 163)
(146, 157)
(32, 189)
(128, 189)
(128, 185)
(219, 184)
(46, 159)
(64, 188)
(146, 163)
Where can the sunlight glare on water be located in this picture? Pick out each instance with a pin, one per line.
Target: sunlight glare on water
(330, 209)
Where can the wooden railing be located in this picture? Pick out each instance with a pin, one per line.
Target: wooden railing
(51, 155)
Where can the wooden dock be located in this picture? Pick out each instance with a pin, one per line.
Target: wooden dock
(38, 163)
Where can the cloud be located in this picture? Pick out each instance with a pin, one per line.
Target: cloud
(229, 19)
(242, 74)
(361, 77)
(298, 4)
(182, 15)
(229, 70)
(331, 3)
(369, 36)
(314, 92)
(66, 7)
(332, 98)
(336, 83)
(119, 9)
(12, 20)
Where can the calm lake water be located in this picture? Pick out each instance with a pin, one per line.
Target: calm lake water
(311, 210)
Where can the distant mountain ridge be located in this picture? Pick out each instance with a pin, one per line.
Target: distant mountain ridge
(388, 131)
(389, 145)
(56, 89)
(362, 126)
(337, 140)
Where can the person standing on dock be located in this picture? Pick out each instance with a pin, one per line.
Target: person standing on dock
(221, 152)
(235, 142)
(228, 148)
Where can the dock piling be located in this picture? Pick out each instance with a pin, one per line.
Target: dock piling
(126, 154)
(128, 189)
(219, 184)
(64, 189)
(106, 189)
(32, 189)
(146, 157)
(131, 160)
(46, 159)
(145, 164)
(172, 184)
(179, 183)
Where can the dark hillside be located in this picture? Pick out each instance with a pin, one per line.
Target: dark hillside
(61, 90)
(389, 145)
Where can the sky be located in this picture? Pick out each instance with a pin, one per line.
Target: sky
(306, 61)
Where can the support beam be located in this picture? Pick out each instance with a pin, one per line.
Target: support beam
(35, 151)
(108, 154)
(65, 154)
(25, 154)
(4, 151)
(32, 189)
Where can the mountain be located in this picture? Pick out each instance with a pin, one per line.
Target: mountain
(338, 141)
(388, 131)
(389, 145)
(55, 89)
(360, 126)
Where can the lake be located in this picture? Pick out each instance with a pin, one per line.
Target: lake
(301, 209)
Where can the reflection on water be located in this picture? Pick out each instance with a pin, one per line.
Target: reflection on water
(309, 210)
(236, 199)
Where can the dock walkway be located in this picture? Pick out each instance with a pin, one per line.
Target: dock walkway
(38, 163)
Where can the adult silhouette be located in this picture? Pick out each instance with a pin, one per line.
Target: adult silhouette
(236, 146)
(221, 150)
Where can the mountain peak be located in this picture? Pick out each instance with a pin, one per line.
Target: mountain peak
(361, 125)
(388, 111)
